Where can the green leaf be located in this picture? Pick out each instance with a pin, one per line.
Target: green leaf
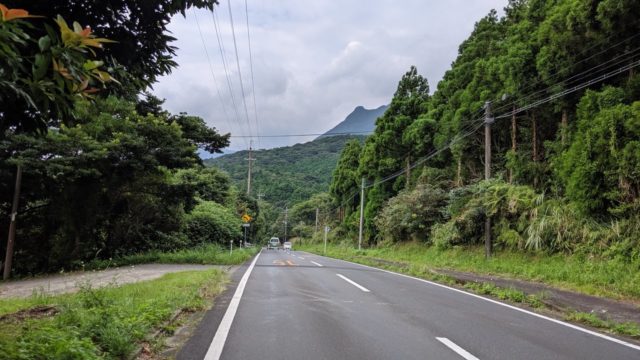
(44, 43)
(40, 66)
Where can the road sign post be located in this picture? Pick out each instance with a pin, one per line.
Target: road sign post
(326, 231)
(244, 242)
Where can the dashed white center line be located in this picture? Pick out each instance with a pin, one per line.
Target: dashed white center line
(316, 264)
(353, 283)
(460, 351)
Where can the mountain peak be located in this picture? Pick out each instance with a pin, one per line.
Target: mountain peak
(360, 121)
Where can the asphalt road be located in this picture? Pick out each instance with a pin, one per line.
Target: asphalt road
(303, 306)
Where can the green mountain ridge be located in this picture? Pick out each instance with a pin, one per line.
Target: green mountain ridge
(291, 174)
(286, 175)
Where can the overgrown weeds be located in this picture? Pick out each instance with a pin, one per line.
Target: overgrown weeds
(106, 323)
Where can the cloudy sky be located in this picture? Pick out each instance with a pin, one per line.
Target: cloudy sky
(313, 61)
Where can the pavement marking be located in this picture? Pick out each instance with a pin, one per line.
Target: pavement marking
(278, 262)
(462, 352)
(315, 263)
(219, 339)
(353, 283)
(301, 257)
(291, 263)
(559, 322)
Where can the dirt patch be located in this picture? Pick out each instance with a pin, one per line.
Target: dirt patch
(71, 282)
(33, 313)
(557, 299)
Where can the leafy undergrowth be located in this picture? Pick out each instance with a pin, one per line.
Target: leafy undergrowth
(609, 278)
(210, 254)
(105, 323)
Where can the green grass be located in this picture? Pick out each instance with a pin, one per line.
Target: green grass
(609, 278)
(626, 328)
(105, 323)
(210, 254)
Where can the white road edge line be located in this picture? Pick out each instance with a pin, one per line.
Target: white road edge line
(315, 263)
(353, 283)
(219, 339)
(462, 352)
(560, 322)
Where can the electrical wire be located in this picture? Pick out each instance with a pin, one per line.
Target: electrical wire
(213, 75)
(559, 71)
(223, 55)
(304, 135)
(253, 86)
(235, 46)
(570, 90)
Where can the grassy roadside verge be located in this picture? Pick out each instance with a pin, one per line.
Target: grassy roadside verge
(210, 254)
(607, 278)
(105, 323)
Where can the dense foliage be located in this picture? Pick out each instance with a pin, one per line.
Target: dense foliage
(566, 166)
(143, 49)
(104, 173)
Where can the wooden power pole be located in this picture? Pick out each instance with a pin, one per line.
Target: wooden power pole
(488, 120)
(361, 215)
(250, 159)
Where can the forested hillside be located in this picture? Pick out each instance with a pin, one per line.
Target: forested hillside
(562, 83)
(286, 175)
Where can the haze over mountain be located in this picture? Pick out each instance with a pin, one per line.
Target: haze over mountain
(360, 121)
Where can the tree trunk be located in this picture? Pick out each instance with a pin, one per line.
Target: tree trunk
(564, 124)
(408, 172)
(459, 176)
(513, 140)
(12, 226)
(534, 145)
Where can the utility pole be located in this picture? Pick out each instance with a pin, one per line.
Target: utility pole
(317, 212)
(250, 159)
(286, 211)
(361, 214)
(8, 260)
(488, 120)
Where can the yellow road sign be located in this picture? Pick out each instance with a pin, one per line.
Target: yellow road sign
(246, 218)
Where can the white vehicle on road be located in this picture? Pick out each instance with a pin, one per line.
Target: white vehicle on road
(274, 243)
(287, 246)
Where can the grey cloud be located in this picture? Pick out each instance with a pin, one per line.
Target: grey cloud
(314, 62)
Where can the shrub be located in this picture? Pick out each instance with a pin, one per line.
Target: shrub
(411, 214)
(445, 235)
(212, 222)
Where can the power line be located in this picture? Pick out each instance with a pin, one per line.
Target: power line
(557, 73)
(235, 46)
(253, 86)
(477, 124)
(304, 135)
(629, 55)
(215, 81)
(221, 47)
(571, 90)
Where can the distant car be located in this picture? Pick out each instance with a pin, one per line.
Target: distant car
(287, 246)
(274, 243)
